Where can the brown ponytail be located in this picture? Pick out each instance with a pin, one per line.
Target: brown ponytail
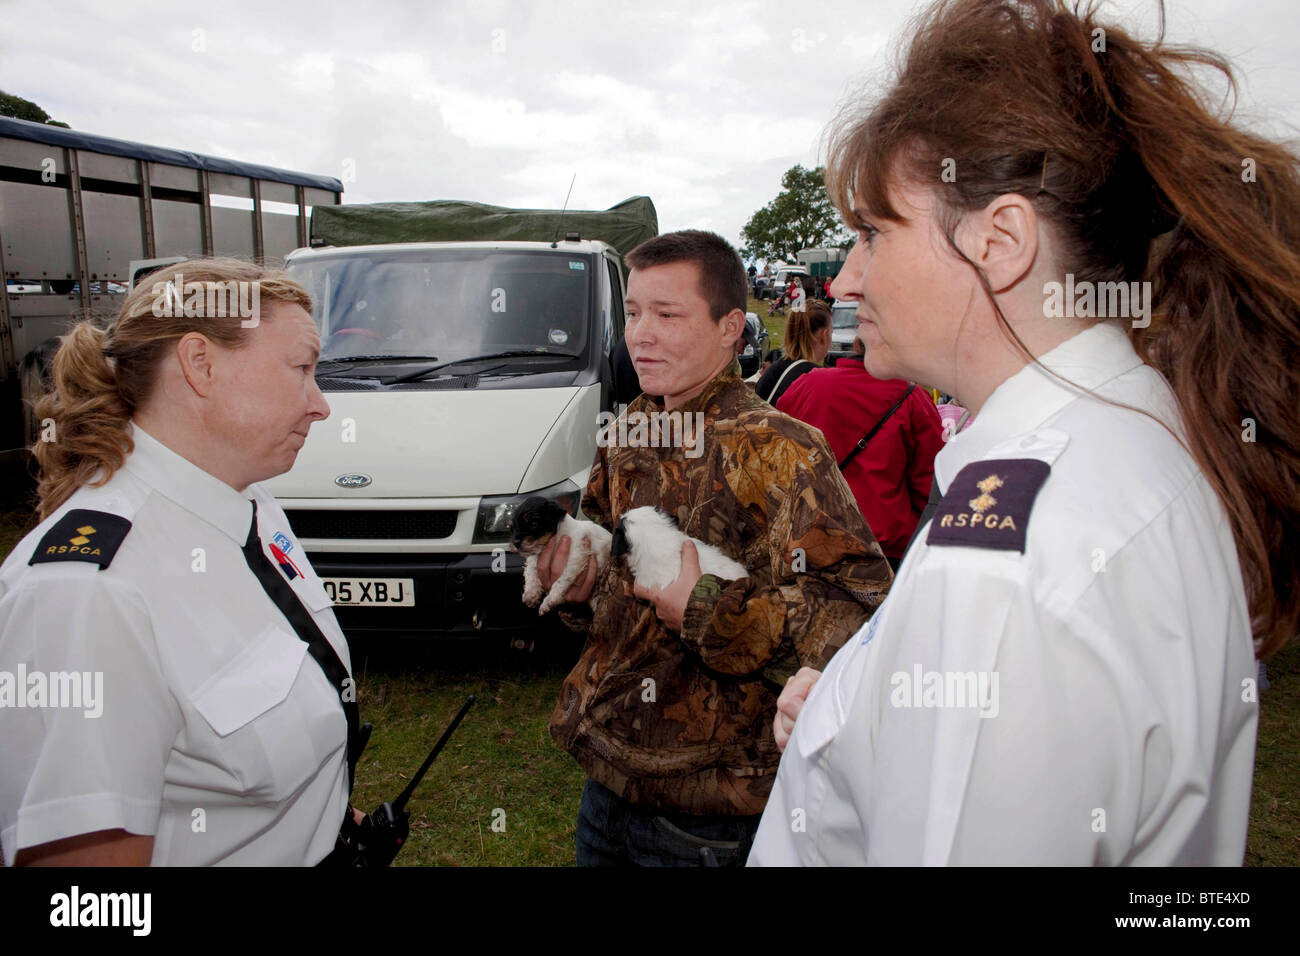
(1112, 141)
(799, 331)
(100, 377)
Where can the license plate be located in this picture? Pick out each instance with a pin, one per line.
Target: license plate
(370, 592)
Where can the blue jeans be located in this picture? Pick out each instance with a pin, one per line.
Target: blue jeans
(613, 832)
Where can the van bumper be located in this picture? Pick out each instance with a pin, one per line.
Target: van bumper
(457, 596)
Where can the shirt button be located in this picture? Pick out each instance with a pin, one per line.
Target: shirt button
(1026, 442)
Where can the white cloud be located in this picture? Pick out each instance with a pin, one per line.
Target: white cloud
(700, 106)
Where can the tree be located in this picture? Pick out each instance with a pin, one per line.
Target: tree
(19, 108)
(800, 217)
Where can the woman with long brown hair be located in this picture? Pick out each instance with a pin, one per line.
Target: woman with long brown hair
(1053, 228)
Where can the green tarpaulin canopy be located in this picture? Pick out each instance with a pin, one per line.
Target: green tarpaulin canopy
(623, 226)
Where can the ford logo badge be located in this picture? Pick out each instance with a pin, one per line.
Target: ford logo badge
(352, 481)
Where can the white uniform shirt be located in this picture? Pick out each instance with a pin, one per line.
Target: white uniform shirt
(218, 733)
(1114, 656)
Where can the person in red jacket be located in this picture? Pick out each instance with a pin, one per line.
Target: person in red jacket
(891, 476)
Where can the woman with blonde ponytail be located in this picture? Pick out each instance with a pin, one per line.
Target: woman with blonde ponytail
(807, 343)
(165, 596)
(1054, 229)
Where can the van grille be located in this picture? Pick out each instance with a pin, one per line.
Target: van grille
(314, 523)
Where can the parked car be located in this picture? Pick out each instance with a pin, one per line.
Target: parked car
(844, 326)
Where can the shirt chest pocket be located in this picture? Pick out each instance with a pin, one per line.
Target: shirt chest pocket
(826, 711)
(269, 717)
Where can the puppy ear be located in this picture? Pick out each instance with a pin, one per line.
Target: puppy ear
(526, 509)
(552, 515)
(620, 545)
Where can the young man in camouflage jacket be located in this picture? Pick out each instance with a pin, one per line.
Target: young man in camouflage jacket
(670, 707)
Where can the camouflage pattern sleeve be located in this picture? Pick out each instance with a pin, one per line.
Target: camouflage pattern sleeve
(825, 572)
(595, 497)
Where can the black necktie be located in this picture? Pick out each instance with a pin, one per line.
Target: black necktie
(318, 645)
(931, 507)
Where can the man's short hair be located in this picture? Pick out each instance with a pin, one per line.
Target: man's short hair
(722, 275)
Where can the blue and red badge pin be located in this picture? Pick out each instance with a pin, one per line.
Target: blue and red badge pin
(280, 545)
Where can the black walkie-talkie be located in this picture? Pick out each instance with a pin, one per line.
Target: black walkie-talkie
(383, 833)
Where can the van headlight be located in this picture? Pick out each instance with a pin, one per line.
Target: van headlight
(496, 514)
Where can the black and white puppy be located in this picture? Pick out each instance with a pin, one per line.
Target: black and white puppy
(536, 522)
(653, 545)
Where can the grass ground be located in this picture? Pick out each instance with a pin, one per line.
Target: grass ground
(501, 793)
(502, 768)
(775, 324)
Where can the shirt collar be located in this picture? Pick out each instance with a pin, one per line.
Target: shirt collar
(189, 485)
(1029, 398)
(729, 377)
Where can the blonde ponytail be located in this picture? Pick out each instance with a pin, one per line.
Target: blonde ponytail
(87, 420)
(800, 343)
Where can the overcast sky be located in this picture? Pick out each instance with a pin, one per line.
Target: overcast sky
(699, 105)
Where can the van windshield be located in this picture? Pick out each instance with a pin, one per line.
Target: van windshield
(448, 304)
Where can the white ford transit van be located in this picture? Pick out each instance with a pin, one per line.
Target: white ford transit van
(462, 377)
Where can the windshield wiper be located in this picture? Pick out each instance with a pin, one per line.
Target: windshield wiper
(512, 353)
(372, 358)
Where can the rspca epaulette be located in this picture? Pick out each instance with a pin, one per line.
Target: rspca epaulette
(83, 535)
(988, 504)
